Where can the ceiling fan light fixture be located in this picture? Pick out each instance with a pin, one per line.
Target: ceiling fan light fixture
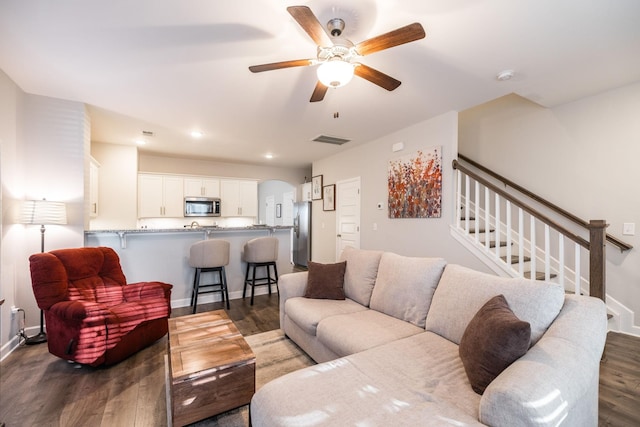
(335, 72)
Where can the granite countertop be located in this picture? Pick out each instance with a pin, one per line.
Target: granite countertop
(205, 229)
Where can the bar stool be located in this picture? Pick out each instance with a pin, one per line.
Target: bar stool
(260, 252)
(209, 256)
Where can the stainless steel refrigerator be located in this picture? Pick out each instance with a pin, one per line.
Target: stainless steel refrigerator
(301, 233)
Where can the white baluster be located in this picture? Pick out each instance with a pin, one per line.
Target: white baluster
(509, 232)
(578, 275)
(487, 213)
(466, 203)
(497, 235)
(520, 242)
(547, 254)
(476, 209)
(561, 259)
(534, 251)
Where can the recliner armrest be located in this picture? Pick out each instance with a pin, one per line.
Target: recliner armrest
(78, 310)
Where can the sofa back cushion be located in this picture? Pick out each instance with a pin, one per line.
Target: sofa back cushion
(405, 286)
(462, 292)
(360, 274)
(92, 274)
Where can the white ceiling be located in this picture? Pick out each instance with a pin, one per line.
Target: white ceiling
(171, 66)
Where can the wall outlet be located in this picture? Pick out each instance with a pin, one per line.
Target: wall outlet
(629, 228)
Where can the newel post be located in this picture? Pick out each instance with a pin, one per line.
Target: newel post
(597, 258)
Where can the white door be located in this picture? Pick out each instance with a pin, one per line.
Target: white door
(270, 209)
(347, 214)
(287, 208)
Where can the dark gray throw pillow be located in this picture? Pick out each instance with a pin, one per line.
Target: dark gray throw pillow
(326, 281)
(493, 340)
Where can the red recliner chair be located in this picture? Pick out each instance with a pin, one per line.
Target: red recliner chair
(92, 315)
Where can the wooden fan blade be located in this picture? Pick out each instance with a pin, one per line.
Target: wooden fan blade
(319, 92)
(376, 77)
(279, 65)
(308, 21)
(409, 33)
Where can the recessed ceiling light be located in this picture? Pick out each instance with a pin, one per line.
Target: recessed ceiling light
(505, 75)
(268, 156)
(197, 134)
(140, 142)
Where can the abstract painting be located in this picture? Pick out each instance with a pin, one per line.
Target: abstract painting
(415, 185)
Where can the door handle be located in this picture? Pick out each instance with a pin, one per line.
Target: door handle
(338, 235)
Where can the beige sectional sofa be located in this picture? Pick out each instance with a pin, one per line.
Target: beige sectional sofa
(390, 352)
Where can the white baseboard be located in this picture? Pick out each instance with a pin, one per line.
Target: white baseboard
(14, 342)
(209, 298)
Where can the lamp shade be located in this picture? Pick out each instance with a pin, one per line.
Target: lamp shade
(335, 73)
(43, 212)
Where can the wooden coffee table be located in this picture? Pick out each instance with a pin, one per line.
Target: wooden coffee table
(211, 369)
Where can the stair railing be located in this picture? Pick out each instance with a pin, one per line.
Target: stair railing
(523, 235)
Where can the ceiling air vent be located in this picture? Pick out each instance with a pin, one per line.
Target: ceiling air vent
(147, 133)
(331, 140)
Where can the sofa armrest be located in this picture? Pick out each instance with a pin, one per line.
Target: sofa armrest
(557, 380)
(291, 285)
(143, 290)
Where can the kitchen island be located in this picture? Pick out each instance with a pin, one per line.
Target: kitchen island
(149, 254)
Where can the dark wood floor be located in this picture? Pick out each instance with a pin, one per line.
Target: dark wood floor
(38, 389)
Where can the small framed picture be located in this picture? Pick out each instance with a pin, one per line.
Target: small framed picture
(316, 187)
(279, 210)
(329, 197)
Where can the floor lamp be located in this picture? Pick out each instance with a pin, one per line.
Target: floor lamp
(42, 212)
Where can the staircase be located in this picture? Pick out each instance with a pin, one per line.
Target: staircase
(502, 252)
(519, 234)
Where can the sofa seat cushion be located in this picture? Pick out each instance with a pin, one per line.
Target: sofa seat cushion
(416, 381)
(405, 286)
(307, 312)
(351, 333)
(462, 292)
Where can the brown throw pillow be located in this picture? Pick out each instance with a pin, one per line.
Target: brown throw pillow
(493, 340)
(325, 281)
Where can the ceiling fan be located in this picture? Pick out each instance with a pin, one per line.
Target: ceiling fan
(338, 58)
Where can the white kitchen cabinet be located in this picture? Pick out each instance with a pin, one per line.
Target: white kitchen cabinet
(239, 197)
(94, 181)
(304, 192)
(201, 187)
(160, 196)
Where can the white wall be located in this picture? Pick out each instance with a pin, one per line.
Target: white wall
(582, 156)
(44, 151)
(370, 162)
(117, 193)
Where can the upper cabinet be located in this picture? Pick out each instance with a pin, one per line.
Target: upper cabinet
(239, 197)
(94, 181)
(163, 195)
(160, 196)
(304, 192)
(201, 187)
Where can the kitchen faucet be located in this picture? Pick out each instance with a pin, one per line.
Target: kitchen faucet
(194, 224)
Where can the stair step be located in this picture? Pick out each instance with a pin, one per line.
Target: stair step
(540, 275)
(492, 243)
(480, 230)
(515, 259)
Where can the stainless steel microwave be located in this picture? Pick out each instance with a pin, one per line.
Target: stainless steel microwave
(201, 206)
